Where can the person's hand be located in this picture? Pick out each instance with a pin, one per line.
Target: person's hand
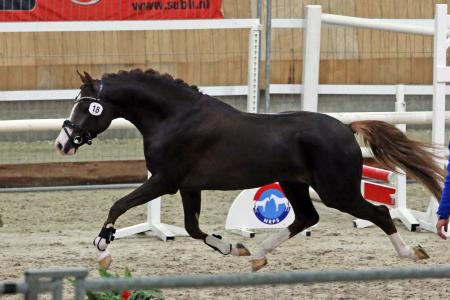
(442, 224)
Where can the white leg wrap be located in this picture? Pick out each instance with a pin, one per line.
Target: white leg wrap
(100, 243)
(272, 242)
(400, 246)
(224, 248)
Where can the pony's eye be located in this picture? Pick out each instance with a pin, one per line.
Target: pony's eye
(77, 140)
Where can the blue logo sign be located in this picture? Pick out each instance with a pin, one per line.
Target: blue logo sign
(270, 204)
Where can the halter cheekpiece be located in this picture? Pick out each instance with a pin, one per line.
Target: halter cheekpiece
(79, 99)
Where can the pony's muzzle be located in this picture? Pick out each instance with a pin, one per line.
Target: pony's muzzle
(58, 146)
(61, 149)
(62, 144)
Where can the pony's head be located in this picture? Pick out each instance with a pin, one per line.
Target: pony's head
(90, 116)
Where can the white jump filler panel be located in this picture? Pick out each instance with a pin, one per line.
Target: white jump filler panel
(260, 208)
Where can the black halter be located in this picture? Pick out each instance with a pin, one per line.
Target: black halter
(80, 136)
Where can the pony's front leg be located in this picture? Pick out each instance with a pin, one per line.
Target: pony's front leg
(151, 189)
(192, 206)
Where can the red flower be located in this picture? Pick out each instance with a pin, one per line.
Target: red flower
(126, 294)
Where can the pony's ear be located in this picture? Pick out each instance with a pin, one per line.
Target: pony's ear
(86, 79)
(81, 77)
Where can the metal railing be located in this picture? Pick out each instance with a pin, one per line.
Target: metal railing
(51, 280)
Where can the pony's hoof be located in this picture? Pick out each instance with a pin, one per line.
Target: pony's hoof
(104, 260)
(258, 264)
(420, 253)
(240, 250)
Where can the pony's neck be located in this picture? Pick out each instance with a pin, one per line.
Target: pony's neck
(146, 108)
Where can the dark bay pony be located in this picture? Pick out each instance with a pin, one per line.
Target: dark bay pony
(194, 142)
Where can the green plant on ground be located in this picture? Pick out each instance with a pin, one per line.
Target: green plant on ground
(126, 294)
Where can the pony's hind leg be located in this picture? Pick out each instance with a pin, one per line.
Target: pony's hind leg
(192, 206)
(380, 216)
(305, 216)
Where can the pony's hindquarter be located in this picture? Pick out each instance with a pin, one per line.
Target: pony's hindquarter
(392, 148)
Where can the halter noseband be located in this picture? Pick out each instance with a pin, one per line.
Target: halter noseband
(80, 136)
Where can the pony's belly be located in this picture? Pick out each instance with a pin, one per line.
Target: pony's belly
(242, 178)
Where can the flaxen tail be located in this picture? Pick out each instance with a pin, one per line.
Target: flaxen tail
(391, 148)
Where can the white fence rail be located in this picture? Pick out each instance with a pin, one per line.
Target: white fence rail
(128, 25)
(379, 24)
(242, 90)
(300, 23)
(411, 117)
(70, 94)
(355, 89)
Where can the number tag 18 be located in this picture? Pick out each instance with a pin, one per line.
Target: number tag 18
(95, 109)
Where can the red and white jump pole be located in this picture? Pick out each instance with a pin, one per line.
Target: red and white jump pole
(393, 195)
(378, 192)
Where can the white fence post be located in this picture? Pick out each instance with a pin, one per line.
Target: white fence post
(401, 210)
(441, 74)
(253, 69)
(311, 57)
(400, 106)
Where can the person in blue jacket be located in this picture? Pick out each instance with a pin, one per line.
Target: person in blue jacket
(443, 211)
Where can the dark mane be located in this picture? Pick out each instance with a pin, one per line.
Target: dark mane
(146, 75)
